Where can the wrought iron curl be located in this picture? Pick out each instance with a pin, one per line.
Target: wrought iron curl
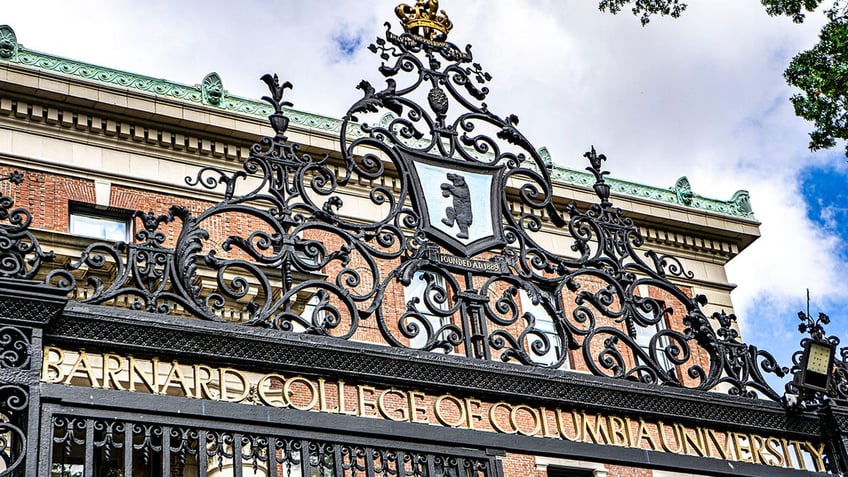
(21, 256)
(312, 263)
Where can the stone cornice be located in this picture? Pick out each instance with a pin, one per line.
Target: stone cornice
(671, 224)
(737, 206)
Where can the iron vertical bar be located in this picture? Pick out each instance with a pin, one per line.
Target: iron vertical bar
(237, 447)
(459, 466)
(369, 462)
(478, 327)
(272, 456)
(33, 438)
(401, 466)
(45, 452)
(305, 461)
(431, 466)
(337, 460)
(88, 468)
(497, 467)
(166, 451)
(202, 456)
(128, 448)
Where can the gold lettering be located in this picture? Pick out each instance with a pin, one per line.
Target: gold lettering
(742, 448)
(51, 370)
(415, 409)
(472, 412)
(201, 384)
(294, 399)
(493, 418)
(381, 406)
(151, 381)
(599, 434)
(757, 445)
(691, 442)
(366, 402)
(817, 455)
(617, 431)
(82, 364)
(534, 415)
(786, 454)
(341, 388)
(546, 427)
(177, 372)
(278, 398)
(712, 436)
(445, 419)
(224, 382)
(797, 446)
(663, 438)
(643, 434)
(109, 373)
(561, 426)
(322, 397)
(113, 371)
(772, 445)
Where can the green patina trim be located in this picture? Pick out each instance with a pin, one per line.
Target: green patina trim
(680, 194)
(198, 94)
(13, 52)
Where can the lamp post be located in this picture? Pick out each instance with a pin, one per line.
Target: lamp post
(819, 385)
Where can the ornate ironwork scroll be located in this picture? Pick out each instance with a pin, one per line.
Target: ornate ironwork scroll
(15, 358)
(20, 254)
(25, 304)
(434, 232)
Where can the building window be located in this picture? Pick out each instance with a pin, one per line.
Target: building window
(544, 323)
(561, 472)
(100, 224)
(556, 467)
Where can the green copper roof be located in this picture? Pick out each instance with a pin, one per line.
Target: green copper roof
(211, 93)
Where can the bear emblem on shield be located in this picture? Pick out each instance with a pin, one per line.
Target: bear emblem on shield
(460, 212)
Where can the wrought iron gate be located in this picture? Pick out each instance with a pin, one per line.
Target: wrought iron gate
(102, 443)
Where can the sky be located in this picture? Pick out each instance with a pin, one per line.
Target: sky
(702, 96)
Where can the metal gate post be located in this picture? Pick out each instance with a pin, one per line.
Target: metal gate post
(26, 307)
(834, 419)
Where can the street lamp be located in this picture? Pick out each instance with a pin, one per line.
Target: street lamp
(816, 365)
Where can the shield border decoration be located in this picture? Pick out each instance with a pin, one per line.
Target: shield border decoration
(420, 204)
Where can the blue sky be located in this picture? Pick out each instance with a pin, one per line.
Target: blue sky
(702, 96)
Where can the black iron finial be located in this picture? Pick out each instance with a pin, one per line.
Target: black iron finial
(813, 327)
(601, 187)
(279, 121)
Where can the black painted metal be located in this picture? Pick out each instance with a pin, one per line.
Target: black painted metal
(306, 242)
(25, 307)
(798, 396)
(312, 264)
(99, 441)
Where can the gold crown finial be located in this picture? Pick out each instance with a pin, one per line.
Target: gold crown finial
(422, 20)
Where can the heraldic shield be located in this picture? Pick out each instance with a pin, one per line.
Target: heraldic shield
(459, 205)
(453, 156)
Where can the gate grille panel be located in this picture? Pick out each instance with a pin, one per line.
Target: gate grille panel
(96, 447)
